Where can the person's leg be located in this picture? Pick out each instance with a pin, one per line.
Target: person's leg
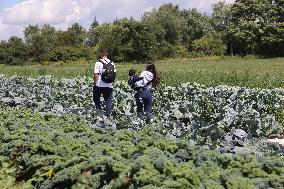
(107, 94)
(140, 94)
(148, 98)
(139, 106)
(97, 96)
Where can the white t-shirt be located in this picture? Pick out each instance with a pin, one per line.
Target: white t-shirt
(99, 70)
(147, 77)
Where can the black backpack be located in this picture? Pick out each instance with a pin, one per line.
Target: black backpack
(109, 74)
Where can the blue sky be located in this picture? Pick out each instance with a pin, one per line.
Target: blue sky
(15, 15)
(8, 3)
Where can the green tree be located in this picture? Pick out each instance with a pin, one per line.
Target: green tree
(49, 40)
(272, 28)
(101, 37)
(210, 44)
(167, 24)
(69, 53)
(221, 16)
(94, 24)
(2, 51)
(74, 36)
(13, 52)
(35, 43)
(245, 29)
(222, 21)
(77, 35)
(257, 27)
(126, 40)
(72, 45)
(196, 26)
(93, 34)
(145, 43)
(41, 41)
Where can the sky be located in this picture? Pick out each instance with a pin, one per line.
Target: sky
(15, 15)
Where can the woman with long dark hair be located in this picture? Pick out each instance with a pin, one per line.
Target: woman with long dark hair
(150, 81)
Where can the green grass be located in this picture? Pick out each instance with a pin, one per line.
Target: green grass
(262, 73)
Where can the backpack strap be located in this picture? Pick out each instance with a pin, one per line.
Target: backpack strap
(148, 83)
(105, 61)
(101, 61)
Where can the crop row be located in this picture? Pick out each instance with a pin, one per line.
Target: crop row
(50, 151)
(205, 114)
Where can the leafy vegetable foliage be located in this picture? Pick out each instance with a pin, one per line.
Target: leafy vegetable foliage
(204, 114)
(53, 151)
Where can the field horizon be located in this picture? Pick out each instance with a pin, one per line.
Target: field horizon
(233, 71)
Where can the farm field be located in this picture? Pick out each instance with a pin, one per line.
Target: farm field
(202, 136)
(215, 119)
(249, 72)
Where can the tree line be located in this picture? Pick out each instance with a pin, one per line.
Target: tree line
(245, 27)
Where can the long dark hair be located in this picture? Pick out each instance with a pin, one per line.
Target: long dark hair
(152, 68)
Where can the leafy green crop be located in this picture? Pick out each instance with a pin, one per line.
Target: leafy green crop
(202, 137)
(8, 175)
(205, 114)
(62, 152)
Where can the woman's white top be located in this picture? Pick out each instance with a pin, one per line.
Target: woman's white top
(147, 77)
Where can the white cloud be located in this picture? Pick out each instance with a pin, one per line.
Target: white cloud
(7, 31)
(66, 11)
(107, 11)
(204, 5)
(42, 11)
(62, 13)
